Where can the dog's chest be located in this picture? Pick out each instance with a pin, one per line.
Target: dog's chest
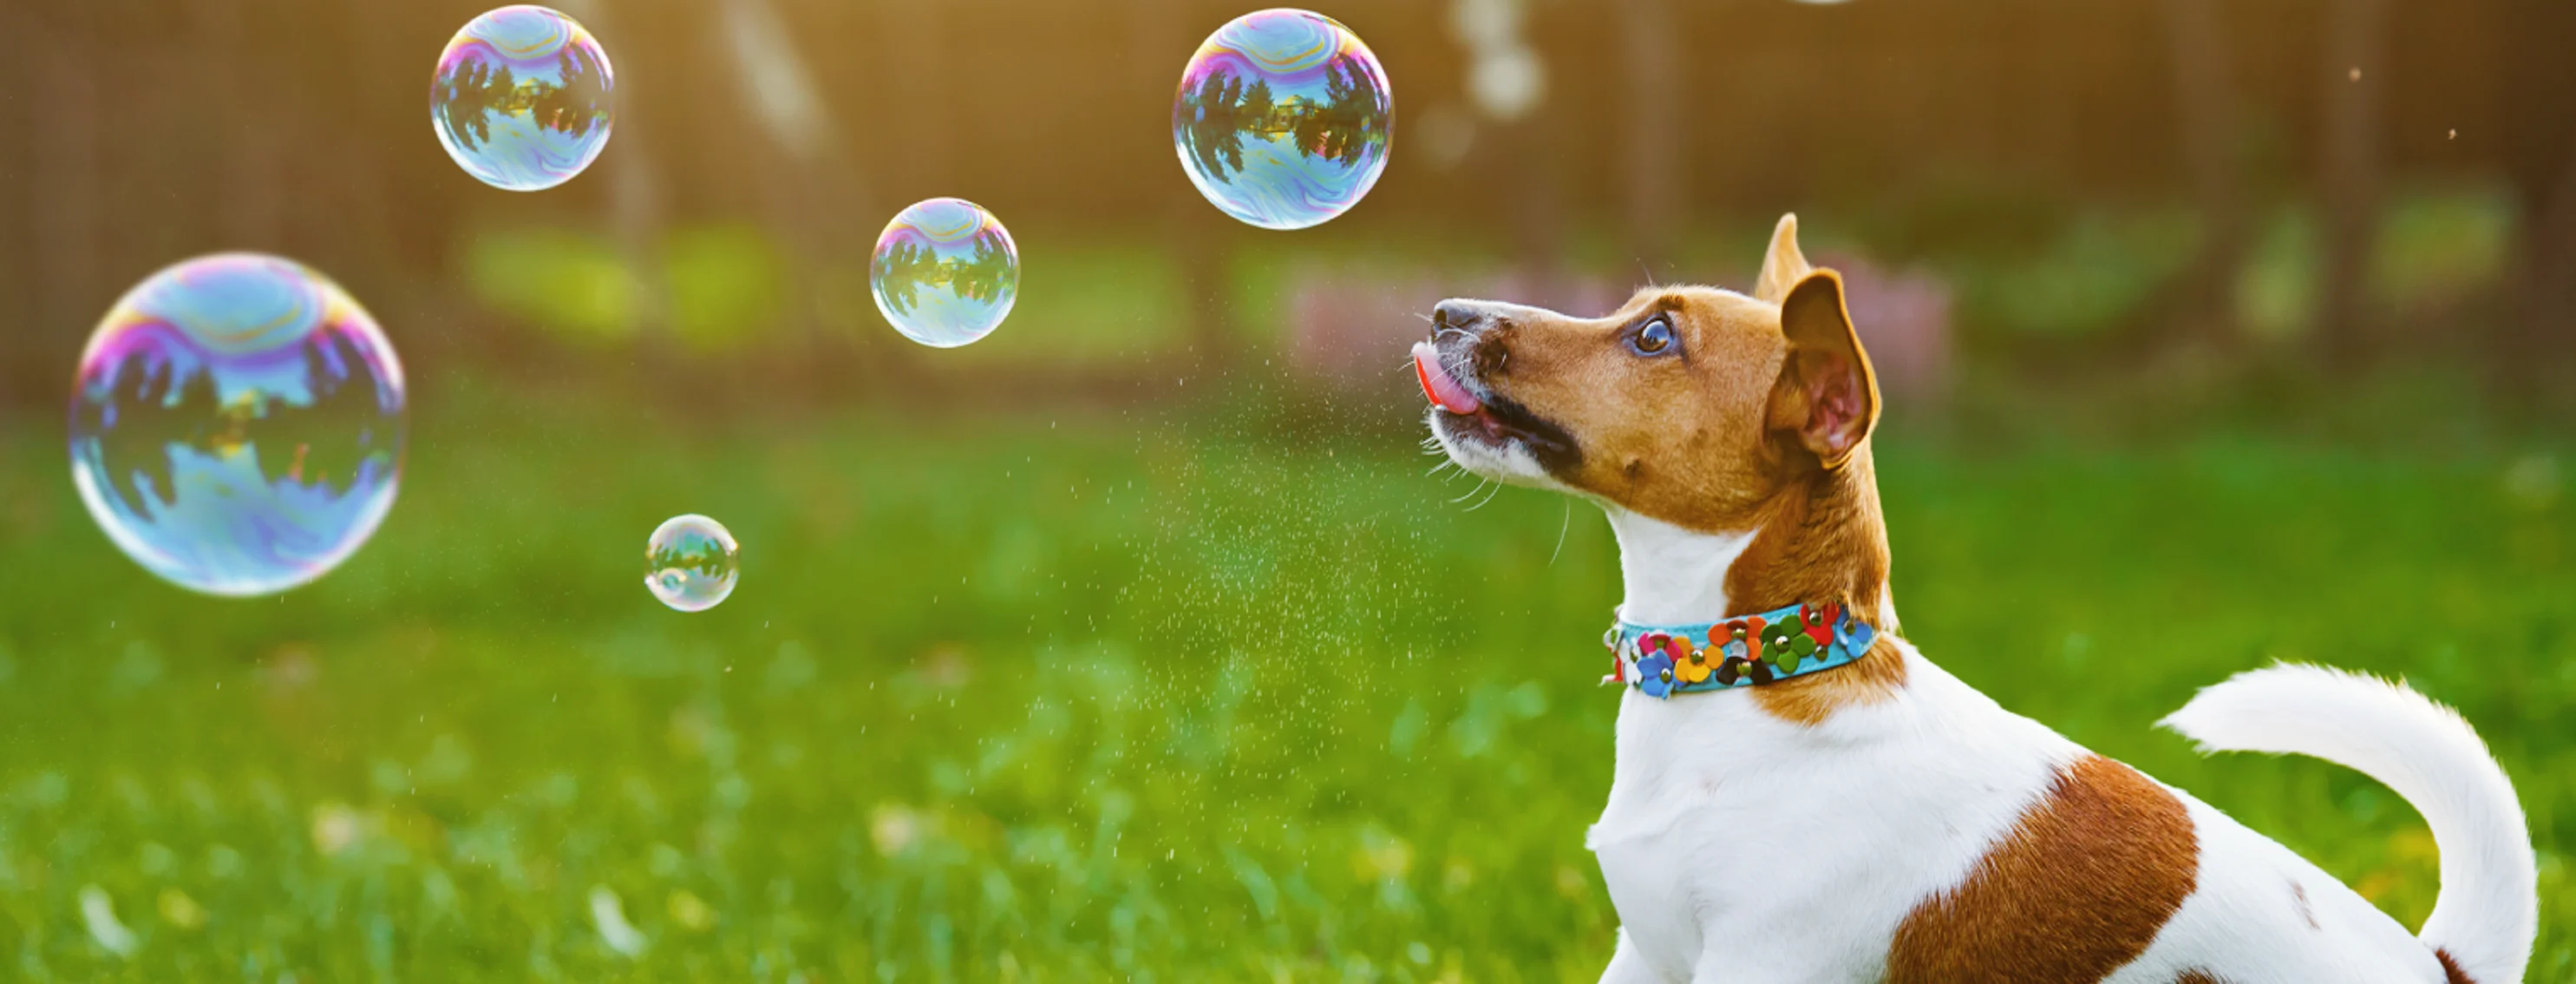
(1734, 834)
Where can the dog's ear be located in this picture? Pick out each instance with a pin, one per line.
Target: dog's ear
(1783, 266)
(1827, 393)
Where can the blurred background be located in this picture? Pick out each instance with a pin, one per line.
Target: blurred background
(1132, 640)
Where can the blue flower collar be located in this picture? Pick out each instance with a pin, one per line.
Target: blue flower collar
(1663, 660)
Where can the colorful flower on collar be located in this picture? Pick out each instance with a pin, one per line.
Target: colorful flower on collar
(1696, 667)
(1655, 673)
(1786, 644)
(1689, 665)
(1672, 646)
(1848, 632)
(1818, 622)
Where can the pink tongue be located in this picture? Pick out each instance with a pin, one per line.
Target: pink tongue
(1436, 384)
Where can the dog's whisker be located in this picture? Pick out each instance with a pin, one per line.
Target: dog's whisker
(1562, 526)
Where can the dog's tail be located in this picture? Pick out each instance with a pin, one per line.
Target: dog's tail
(2484, 920)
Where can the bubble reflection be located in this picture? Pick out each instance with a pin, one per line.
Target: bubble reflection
(237, 424)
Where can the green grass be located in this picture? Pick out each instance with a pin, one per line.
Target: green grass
(1146, 694)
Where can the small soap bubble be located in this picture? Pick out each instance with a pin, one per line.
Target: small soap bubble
(691, 563)
(945, 272)
(1283, 118)
(522, 98)
(237, 424)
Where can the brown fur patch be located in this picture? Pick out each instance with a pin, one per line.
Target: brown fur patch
(2080, 886)
(2451, 972)
(2197, 976)
(2299, 897)
(1822, 538)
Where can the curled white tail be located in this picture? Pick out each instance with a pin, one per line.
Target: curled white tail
(2488, 911)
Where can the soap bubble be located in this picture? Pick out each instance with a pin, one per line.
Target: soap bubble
(1283, 118)
(691, 563)
(237, 424)
(945, 272)
(522, 98)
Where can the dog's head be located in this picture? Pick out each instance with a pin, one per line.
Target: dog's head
(1691, 405)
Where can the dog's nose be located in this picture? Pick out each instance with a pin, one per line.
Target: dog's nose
(1460, 314)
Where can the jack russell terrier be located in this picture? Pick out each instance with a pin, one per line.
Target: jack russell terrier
(1801, 796)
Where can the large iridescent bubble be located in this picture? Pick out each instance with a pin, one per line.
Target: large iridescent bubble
(691, 563)
(237, 424)
(1283, 118)
(945, 272)
(523, 98)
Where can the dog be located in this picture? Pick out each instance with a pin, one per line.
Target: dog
(1800, 795)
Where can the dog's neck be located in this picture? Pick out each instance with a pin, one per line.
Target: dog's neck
(1673, 576)
(1819, 539)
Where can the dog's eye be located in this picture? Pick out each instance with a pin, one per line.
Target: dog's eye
(1656, 338)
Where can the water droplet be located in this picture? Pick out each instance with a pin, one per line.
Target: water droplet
(945, 272)
(523, 98)
(1283, 119)
(691, 563)
(237, 424)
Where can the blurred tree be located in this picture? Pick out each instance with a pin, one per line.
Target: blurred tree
(1198, 237)
(812, 187)
(2348, 173)
(1345, 127)
(2549, 277)
(2539, 156)
(987, 274)
(1650, 154)
(1507, 80)
(468, 95)
(2204, 100)
(19, 344)
(635, 177)
(1215, 122)
(346, 422)
(256, 106)
(64, 182)
(901, 270)
(576, 102)
(131, 136)
(158, 406)
(919, 47)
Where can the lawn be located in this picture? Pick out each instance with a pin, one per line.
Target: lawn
(1170, 693)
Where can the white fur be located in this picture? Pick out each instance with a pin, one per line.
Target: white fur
(1674, 576)
(1511, 464)
(1740, 847)
(2488, 911)
(2245, 920)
